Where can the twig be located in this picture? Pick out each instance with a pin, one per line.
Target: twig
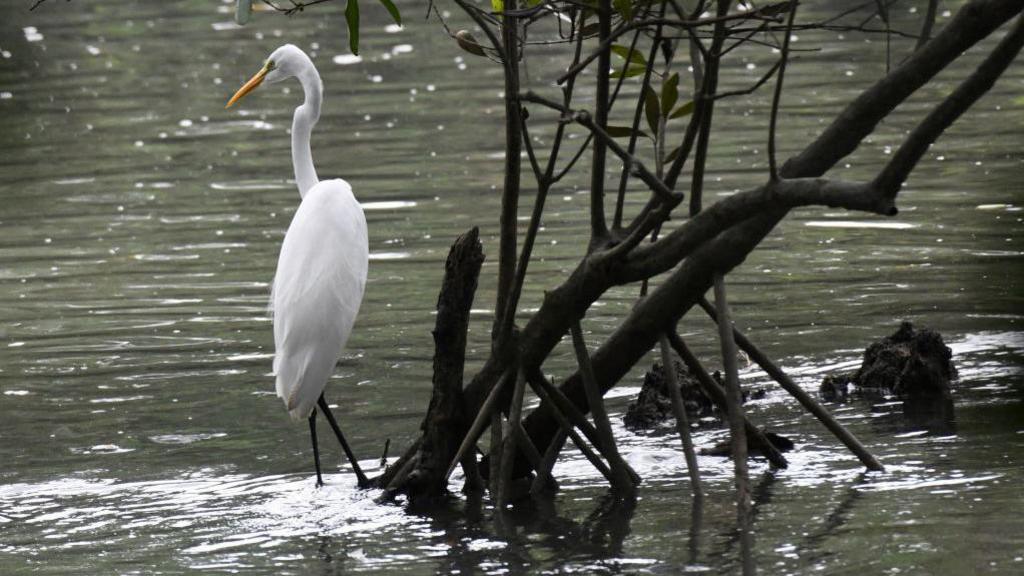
(638, 112)
(544, 481)
(784, 59)
(583, 118)
(479, 423)
(753, 87)
(568, 429)
(647, 23)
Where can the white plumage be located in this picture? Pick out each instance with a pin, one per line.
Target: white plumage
(321, 272)
(319, 284)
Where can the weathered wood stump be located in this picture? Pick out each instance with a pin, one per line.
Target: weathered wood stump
(421, 472)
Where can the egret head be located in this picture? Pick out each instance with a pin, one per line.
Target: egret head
(285, 62)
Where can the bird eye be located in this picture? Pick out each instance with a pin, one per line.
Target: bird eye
(271, 65)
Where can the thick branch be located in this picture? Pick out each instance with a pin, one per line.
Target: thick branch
(650, 259)
(972, 23)
(943, 115)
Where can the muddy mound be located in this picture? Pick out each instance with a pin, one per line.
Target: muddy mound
(654, 405)
(909, 364)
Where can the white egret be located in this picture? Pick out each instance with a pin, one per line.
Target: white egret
(321, 272)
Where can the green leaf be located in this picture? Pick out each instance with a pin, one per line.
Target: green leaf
(633, 57)
(498, 6)
(628, 71)
(669, 94)
(532, 3)
(352, 18)
(652, 109)
(624, 7)
(623, 131)
(684, 110)
(672, 155)
(393, 10)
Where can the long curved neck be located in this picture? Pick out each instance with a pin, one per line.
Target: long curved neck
(305, 118)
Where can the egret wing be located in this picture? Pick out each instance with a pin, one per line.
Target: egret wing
(318, 287)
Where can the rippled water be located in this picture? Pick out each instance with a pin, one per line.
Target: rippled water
(139, 432)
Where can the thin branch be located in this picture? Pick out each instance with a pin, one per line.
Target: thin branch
(714, 391)
(927, 24)
(753, 87)
(638, 112)
(784, 59)
(737, 433)
(640, 24)
(575, 158)
(598, 226)
(510, 195)
(508, 454)
(622, 481)
(682, 422)
(559, 402)
(583, 118)
(805, 399)
(708, 88)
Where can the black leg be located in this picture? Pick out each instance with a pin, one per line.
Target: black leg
(316, 449)
(360, 477)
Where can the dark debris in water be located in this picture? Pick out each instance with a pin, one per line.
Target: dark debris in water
(653, 406)
(910, 364)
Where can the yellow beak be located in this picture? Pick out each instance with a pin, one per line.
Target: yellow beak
(249, 86)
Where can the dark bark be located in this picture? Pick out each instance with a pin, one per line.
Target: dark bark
(510, 194)
(423, 475)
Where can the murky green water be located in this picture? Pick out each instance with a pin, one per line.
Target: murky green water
(139, 432)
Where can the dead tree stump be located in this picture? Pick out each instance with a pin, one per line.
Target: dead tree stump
(421, 472)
